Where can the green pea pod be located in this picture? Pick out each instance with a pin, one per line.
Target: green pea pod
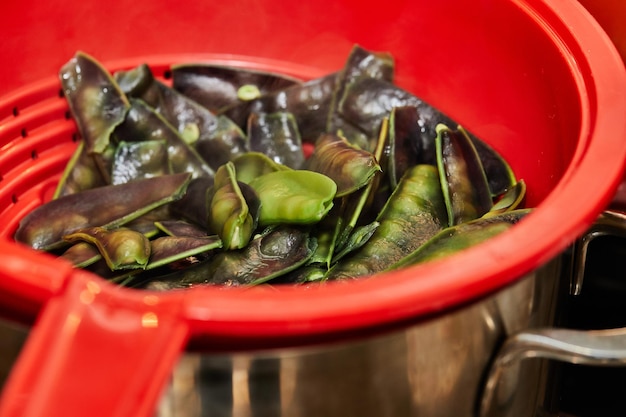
(459, 237)
(362, 206)
(326, 233)
(463, 179)
(254, 164)
(359, 237)
(294, 196)
(325, 246)
(95, 100)
(510, 200)
(138, 160)
(351, 168)
(413, 214)
(277, 136)
(121, 248)
(303, 275)
(229, 215)
(109, 206)
(268, 256)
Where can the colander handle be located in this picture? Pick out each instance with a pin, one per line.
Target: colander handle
(122, 349)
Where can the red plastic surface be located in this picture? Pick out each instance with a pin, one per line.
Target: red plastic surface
(92, 333)
(539, 80)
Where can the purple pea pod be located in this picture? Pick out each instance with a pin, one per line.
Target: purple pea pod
(218, 87)
(463, 178)
(269, 255)
(109, 206)
(216, 138)
(277, 136)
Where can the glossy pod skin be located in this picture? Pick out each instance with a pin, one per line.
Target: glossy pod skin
(140, 160)
(121, 248)
(462, 236)
(228, 213)
(294, 196)
(216, 138)
(348, 166)
(94, 98)
(273, 253)
(144, 123)
(82, 172)
(413, 214)
(45, 227)
(99, 106)
(216, 87)
(463, 178)
(276, 135)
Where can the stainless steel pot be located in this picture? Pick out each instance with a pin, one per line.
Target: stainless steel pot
(431, 368)
(603, 347)
(468, 362)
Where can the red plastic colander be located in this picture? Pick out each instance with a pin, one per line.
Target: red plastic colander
(537, 79)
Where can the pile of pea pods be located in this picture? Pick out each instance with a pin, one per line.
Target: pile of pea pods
(218, 175)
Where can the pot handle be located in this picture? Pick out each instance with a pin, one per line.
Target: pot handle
(122, 348)
(609, 223)
(585, 347)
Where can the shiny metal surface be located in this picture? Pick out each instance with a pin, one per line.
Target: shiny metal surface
(607, 347)
(609, 223)
(433, 368)
(596, 348)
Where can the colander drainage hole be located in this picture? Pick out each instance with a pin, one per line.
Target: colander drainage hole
(16, 111)
(167, 74)
(23, 132)
(34, 154)
(14, 198)
(68, 115)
